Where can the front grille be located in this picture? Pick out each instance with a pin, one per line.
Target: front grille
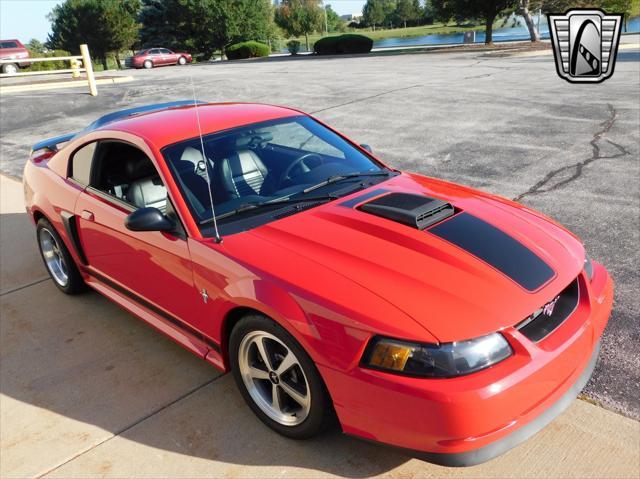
(551, 315)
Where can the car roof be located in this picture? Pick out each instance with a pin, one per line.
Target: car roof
(168, 126)
(12, 40)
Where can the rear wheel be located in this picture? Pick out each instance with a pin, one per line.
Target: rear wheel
(10, 68)
(182, 61)
(148, 64)
(277, 378)
(58, 260)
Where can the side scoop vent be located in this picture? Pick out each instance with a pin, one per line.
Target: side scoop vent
(416, 211)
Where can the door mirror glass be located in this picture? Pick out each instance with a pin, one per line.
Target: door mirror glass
(366, 147)
(148, 219)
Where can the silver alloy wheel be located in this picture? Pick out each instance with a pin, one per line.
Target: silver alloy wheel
(53, 257)
(148, 64)
(274, 378)
(10, 69)
(182, 60)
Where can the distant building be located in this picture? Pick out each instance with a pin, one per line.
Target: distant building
(351, 17)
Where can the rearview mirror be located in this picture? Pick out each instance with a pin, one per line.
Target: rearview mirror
(148, 219)
(366, 147)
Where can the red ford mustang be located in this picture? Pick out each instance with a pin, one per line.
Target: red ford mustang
(419, 313)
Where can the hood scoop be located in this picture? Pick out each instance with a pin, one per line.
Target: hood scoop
(417, 211)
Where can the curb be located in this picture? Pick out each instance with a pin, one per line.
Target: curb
(62, 84)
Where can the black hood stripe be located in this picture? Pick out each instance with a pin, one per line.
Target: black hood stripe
(496, 248)
(364, 197)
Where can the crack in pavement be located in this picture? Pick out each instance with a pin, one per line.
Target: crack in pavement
(118, 433)
(358, 100)
(483, 75)
(606, 125)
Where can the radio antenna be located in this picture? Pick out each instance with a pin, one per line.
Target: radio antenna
(206, 165)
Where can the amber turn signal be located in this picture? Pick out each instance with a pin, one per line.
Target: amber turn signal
(389, 355)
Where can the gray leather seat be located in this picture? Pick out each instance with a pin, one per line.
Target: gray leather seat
(146, 187)
(242, 173)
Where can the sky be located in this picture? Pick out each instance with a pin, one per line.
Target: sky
(27, 19)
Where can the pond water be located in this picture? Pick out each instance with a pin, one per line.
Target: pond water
(499, 35)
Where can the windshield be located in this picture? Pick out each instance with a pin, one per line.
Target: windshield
(263, 162)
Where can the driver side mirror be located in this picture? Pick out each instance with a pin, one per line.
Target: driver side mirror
(364, 146)
(148, 219)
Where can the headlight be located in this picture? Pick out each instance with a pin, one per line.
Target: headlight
(436, 361)
(588, 268)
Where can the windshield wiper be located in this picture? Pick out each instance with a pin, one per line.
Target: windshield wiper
(337, 178)
(278, 201)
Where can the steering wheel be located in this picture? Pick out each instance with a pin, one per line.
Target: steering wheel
(286, 174)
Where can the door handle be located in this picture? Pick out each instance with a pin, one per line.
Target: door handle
(87, 215)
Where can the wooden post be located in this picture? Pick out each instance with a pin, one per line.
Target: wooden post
(86, 61)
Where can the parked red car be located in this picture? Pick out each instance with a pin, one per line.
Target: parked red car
(154, 57)
(13, 50)
(420, 313)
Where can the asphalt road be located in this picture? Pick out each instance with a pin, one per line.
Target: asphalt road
(507, 125)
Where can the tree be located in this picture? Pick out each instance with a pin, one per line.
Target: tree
(204, 26)
(35, 46)
(300, 17)
(389, 7)
(373, 13)
(334, 22)
(487, 10)
(162, 23)
(524, 11)
(625, 7)
(120, 17)
(406, 11)
(418, 12)
(106, 26)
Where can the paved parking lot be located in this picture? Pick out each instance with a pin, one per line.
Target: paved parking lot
(87, 390)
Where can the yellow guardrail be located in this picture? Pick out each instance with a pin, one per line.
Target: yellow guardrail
(79, 63)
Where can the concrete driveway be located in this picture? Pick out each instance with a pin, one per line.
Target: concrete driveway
(87, 390)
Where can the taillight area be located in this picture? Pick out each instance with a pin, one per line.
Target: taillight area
(41, 155)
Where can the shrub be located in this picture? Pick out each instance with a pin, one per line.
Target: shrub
(293, 46)
(249, 49)
(339, 44)
(52, 65)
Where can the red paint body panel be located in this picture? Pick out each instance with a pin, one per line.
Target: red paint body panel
(335, 276)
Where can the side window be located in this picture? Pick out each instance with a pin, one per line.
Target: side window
(81, 164)
(154, 51)
(127, 174)
(165, 51)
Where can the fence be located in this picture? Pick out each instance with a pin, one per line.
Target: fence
(75, 70)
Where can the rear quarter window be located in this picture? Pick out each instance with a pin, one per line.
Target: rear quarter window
(81, 163)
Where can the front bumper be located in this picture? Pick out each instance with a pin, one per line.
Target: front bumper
(468, 420)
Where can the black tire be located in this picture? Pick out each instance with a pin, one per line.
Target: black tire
(74, 284)
(321, 414)
(10, 68)
(147, 64)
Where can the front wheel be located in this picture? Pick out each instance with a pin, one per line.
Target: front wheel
(277, 379)
(182, 61)
(10, 68)
(148, 64)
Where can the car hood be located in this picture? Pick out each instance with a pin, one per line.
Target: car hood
(451, 291)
